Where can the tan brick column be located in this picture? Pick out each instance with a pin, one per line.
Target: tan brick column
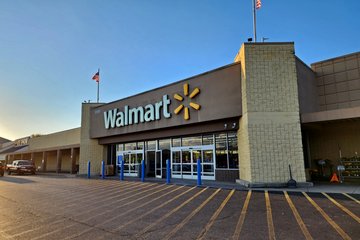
(43, 162)
(90, 150)
(73, 161)
(58, 161)
(269, 132)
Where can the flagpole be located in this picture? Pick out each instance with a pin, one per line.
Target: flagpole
(98, 86)
(254, 19)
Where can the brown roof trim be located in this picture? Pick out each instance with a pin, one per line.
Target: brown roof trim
(46, 149)
(335, 58)
(331, 115)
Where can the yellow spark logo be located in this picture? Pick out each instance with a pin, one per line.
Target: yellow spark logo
(193, 94)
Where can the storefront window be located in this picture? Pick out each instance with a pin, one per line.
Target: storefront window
(151, 145)
(120, 147)
(233, 151)
(130, 146)
(176, 142)
(225, 144)
(191, 141)
(164, 144)
(140, 145)
(221, 150)
(208, 139)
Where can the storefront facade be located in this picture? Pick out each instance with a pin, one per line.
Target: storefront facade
(237, 120)
(249, 122)
(181, 122)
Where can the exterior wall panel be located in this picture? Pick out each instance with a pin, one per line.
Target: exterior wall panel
(219, 98)
(338, 80)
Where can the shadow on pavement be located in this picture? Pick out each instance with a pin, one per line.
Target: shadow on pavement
(17, 180)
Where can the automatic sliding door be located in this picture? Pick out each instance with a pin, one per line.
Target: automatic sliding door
(132, 160)
(126, 158)
(186, 159)
(184, 162)
(196, 154)
(176, 164)
(150, 156)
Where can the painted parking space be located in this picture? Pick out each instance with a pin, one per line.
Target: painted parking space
(75, 208)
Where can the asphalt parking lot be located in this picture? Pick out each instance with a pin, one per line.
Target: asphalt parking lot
(40, 207)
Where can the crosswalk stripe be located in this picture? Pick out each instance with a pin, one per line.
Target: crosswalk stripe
(327, 218)
(193, 213)
(356, 218)
(269, 216)
(215, 215)
(145, 230)
(299, 220)
(242, 216)
(354, 199)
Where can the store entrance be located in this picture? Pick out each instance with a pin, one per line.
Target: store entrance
(132, 160)
(154, 161)
(184, 162)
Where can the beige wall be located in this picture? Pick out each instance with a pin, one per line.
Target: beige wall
(55, 140)
(51, 162)
(90, 150)
(308, 96)
(338, 82)
(37, 159)
(269, 137)
(66, 160)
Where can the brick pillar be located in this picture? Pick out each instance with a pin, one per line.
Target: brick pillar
(44, 161)
(90, 150)
(58, 161)
(73, 161)
(269, 132)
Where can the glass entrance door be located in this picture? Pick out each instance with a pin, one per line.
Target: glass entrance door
(158, 164)
(132, 160)
(184, 162)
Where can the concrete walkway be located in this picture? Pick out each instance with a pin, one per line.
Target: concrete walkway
(351, 188)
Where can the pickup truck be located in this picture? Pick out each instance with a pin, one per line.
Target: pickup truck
(21, 167)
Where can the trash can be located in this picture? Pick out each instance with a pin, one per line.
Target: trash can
(109, 170)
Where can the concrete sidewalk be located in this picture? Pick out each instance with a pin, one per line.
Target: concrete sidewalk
(350, 188)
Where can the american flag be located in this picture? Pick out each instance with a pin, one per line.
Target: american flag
(96, 77)
(258, 4)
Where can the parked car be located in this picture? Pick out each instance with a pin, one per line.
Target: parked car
(2, 169)
(21, 167)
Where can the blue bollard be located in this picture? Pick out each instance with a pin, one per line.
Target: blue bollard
(88, 168)
(142, 170)
(119, 165)
(168, 171)
(103, 169)
(198, 172)
(122, 170)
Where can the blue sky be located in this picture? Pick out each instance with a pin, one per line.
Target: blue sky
(49, 50)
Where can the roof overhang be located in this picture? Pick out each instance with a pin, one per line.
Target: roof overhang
(331, 115)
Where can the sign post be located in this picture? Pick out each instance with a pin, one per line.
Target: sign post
(168, 171)
(198, 172)
(102, 169)
(142, 170)
(88, 168)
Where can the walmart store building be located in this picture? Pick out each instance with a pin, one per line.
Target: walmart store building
(246, 121)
